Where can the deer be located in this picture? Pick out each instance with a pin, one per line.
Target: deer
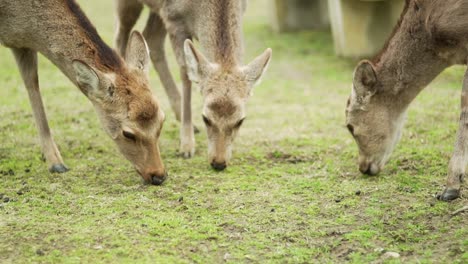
(429, 37)
(117, 88)
(225, 83)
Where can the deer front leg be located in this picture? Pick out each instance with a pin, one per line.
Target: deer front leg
(128, 12)
(155, 34)
(187, 137)
(177, 36)
(459, 158)
(27, 64)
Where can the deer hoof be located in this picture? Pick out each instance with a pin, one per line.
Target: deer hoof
(188, 154)
(58, 168)
(187, 150)
(449, 194)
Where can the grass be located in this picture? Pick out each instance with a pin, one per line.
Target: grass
(293, 193)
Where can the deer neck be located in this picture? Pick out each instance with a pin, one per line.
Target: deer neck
(407, 65)
(222, 32)
(71, 37)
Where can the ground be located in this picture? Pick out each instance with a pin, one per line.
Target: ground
(293, 192)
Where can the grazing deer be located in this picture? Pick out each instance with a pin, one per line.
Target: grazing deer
(430, 36)
(225, 84)
(118, 90)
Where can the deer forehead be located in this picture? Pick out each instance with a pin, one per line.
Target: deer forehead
(224, 109)
(143, 110)
(225, 82)
(127, 77)
(133, 88)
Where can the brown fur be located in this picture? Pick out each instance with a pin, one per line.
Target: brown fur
(431, 36)
(118, 89)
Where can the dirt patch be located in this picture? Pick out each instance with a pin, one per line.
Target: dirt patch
(282, 157)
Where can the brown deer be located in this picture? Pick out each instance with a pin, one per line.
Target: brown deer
(225, 83)
(430, 36)
(118, 90)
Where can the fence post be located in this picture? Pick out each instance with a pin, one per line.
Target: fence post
(291, 15)
(361, 27)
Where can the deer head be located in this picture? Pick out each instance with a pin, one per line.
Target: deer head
(129, 112)
(374, 118)
(225, 90)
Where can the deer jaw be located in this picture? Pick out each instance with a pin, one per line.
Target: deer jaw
(128, 111)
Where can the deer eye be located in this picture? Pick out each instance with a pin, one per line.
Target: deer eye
(129, 135)
(239, 123)
(351, 129)
(206, 120)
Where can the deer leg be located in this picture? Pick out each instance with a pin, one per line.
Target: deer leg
(187, 137)
(155, 34)
(27, 64)
(128, 12)
(459, 158)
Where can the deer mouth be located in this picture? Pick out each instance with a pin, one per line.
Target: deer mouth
(369, 168)
(218, 166)
(153, 178)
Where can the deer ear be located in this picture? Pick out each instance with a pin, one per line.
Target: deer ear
(255, 70)
(197, 64)
(364, 78)
(89, 82)
(137, 54)
(86, 77)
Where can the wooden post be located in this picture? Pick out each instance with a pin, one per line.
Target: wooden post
(361, 27)
(291, 15)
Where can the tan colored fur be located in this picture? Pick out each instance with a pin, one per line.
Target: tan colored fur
(118, 89)
(224, 82)
(430, 36)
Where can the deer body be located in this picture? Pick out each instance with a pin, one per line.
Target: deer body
(224, 82)
(430, 36)
(29, 26)
(118, 89)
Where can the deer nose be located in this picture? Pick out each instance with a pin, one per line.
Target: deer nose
(367, 172)
(158, 179)
(219, 166)
(369, 169)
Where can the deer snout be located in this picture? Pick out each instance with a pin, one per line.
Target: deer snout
(219, 166)
(158, 179)
(219, 157)
(155, 177)
(369, 168)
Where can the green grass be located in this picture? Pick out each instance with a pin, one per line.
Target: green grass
(293, 193)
